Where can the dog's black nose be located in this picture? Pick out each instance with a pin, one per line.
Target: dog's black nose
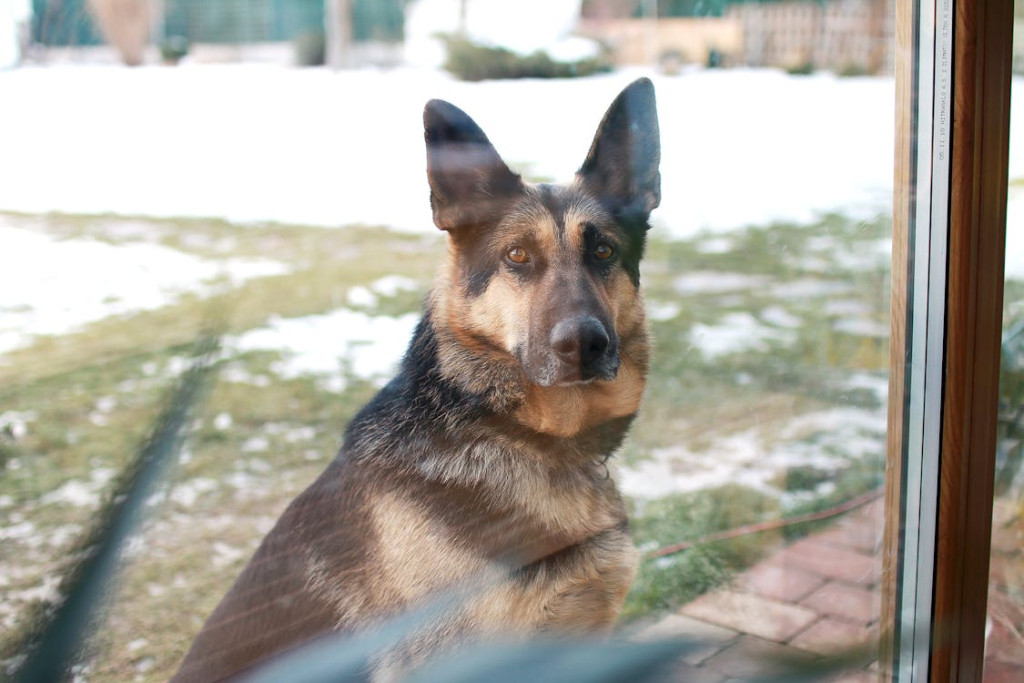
(579, 340)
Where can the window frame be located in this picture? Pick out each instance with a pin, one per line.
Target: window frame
(949, 234)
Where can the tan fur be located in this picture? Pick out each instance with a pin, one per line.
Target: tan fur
(401, 564)
(575, 218)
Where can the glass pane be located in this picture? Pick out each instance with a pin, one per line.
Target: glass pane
(291, 206)
(1004, 642)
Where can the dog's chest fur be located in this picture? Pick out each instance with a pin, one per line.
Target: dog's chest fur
(456, 491)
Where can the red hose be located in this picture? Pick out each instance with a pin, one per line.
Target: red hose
(847, 506)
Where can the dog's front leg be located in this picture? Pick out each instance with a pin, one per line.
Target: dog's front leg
(591, 597)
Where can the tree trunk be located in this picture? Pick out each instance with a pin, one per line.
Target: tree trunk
(338, 32)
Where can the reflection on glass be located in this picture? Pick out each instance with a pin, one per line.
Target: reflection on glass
(1004, 641)
(760, 443)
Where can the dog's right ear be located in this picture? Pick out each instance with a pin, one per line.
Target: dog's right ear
(469, 183)
(622, 165)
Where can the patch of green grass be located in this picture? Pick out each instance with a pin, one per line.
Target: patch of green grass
(858, 477)
(803, 478)
(122, 365)
(282, 432)
(690, 397)
(667, 583)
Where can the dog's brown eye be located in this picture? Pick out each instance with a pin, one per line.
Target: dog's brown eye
(603, 251)
(517, 255)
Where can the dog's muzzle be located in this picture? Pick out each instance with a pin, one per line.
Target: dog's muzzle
(582, 350)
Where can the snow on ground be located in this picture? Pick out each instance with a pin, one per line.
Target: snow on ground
(369, 347)
(81, 493)
(259, 142)
(715, 282)
(734, 333)
(389, 285)
(51, 286)
(780, 317)
(808, 288)
(826, 439)
(15, 422)
(862, 327)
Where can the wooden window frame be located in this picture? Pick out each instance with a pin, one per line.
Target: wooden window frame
(966, 251)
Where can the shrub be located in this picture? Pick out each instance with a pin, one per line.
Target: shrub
(852, 70)
(470, 61)
(802, 69)
(310, 49)
(173, 49)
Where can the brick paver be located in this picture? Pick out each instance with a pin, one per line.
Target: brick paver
(852, 536)
(685, 673)
(820, 595)
(713, 638)
(830, 561)
(786, 584)
(750, 656)
(850, 603)
(748, 613)
(1005, 641)
(1001, 672)
(832, 636)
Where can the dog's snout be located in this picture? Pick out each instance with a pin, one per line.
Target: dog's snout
(579, 340)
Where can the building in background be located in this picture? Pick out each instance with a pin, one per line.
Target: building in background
(224, 30)
(848, 36)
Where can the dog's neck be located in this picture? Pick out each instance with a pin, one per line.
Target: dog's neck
(494, 377)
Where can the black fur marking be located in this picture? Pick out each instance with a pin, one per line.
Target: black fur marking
(629, 250)
(477, 279)
(479, 264)
(469, 183)
(482, 256)
(591, 238)
(621, 169)
(633, 252)
(418, 406)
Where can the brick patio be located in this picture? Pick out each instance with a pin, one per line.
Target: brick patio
(821, 594)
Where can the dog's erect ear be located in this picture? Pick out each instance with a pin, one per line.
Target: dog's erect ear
(469, 183)
(621, 168)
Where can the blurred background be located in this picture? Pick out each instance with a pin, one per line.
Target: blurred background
(260, 162)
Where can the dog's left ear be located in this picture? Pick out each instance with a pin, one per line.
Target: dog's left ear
(469, 183)
(621, 168)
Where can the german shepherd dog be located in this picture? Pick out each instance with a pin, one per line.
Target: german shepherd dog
(488, 449)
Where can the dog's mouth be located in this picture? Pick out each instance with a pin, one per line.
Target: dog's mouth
(553, 371)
